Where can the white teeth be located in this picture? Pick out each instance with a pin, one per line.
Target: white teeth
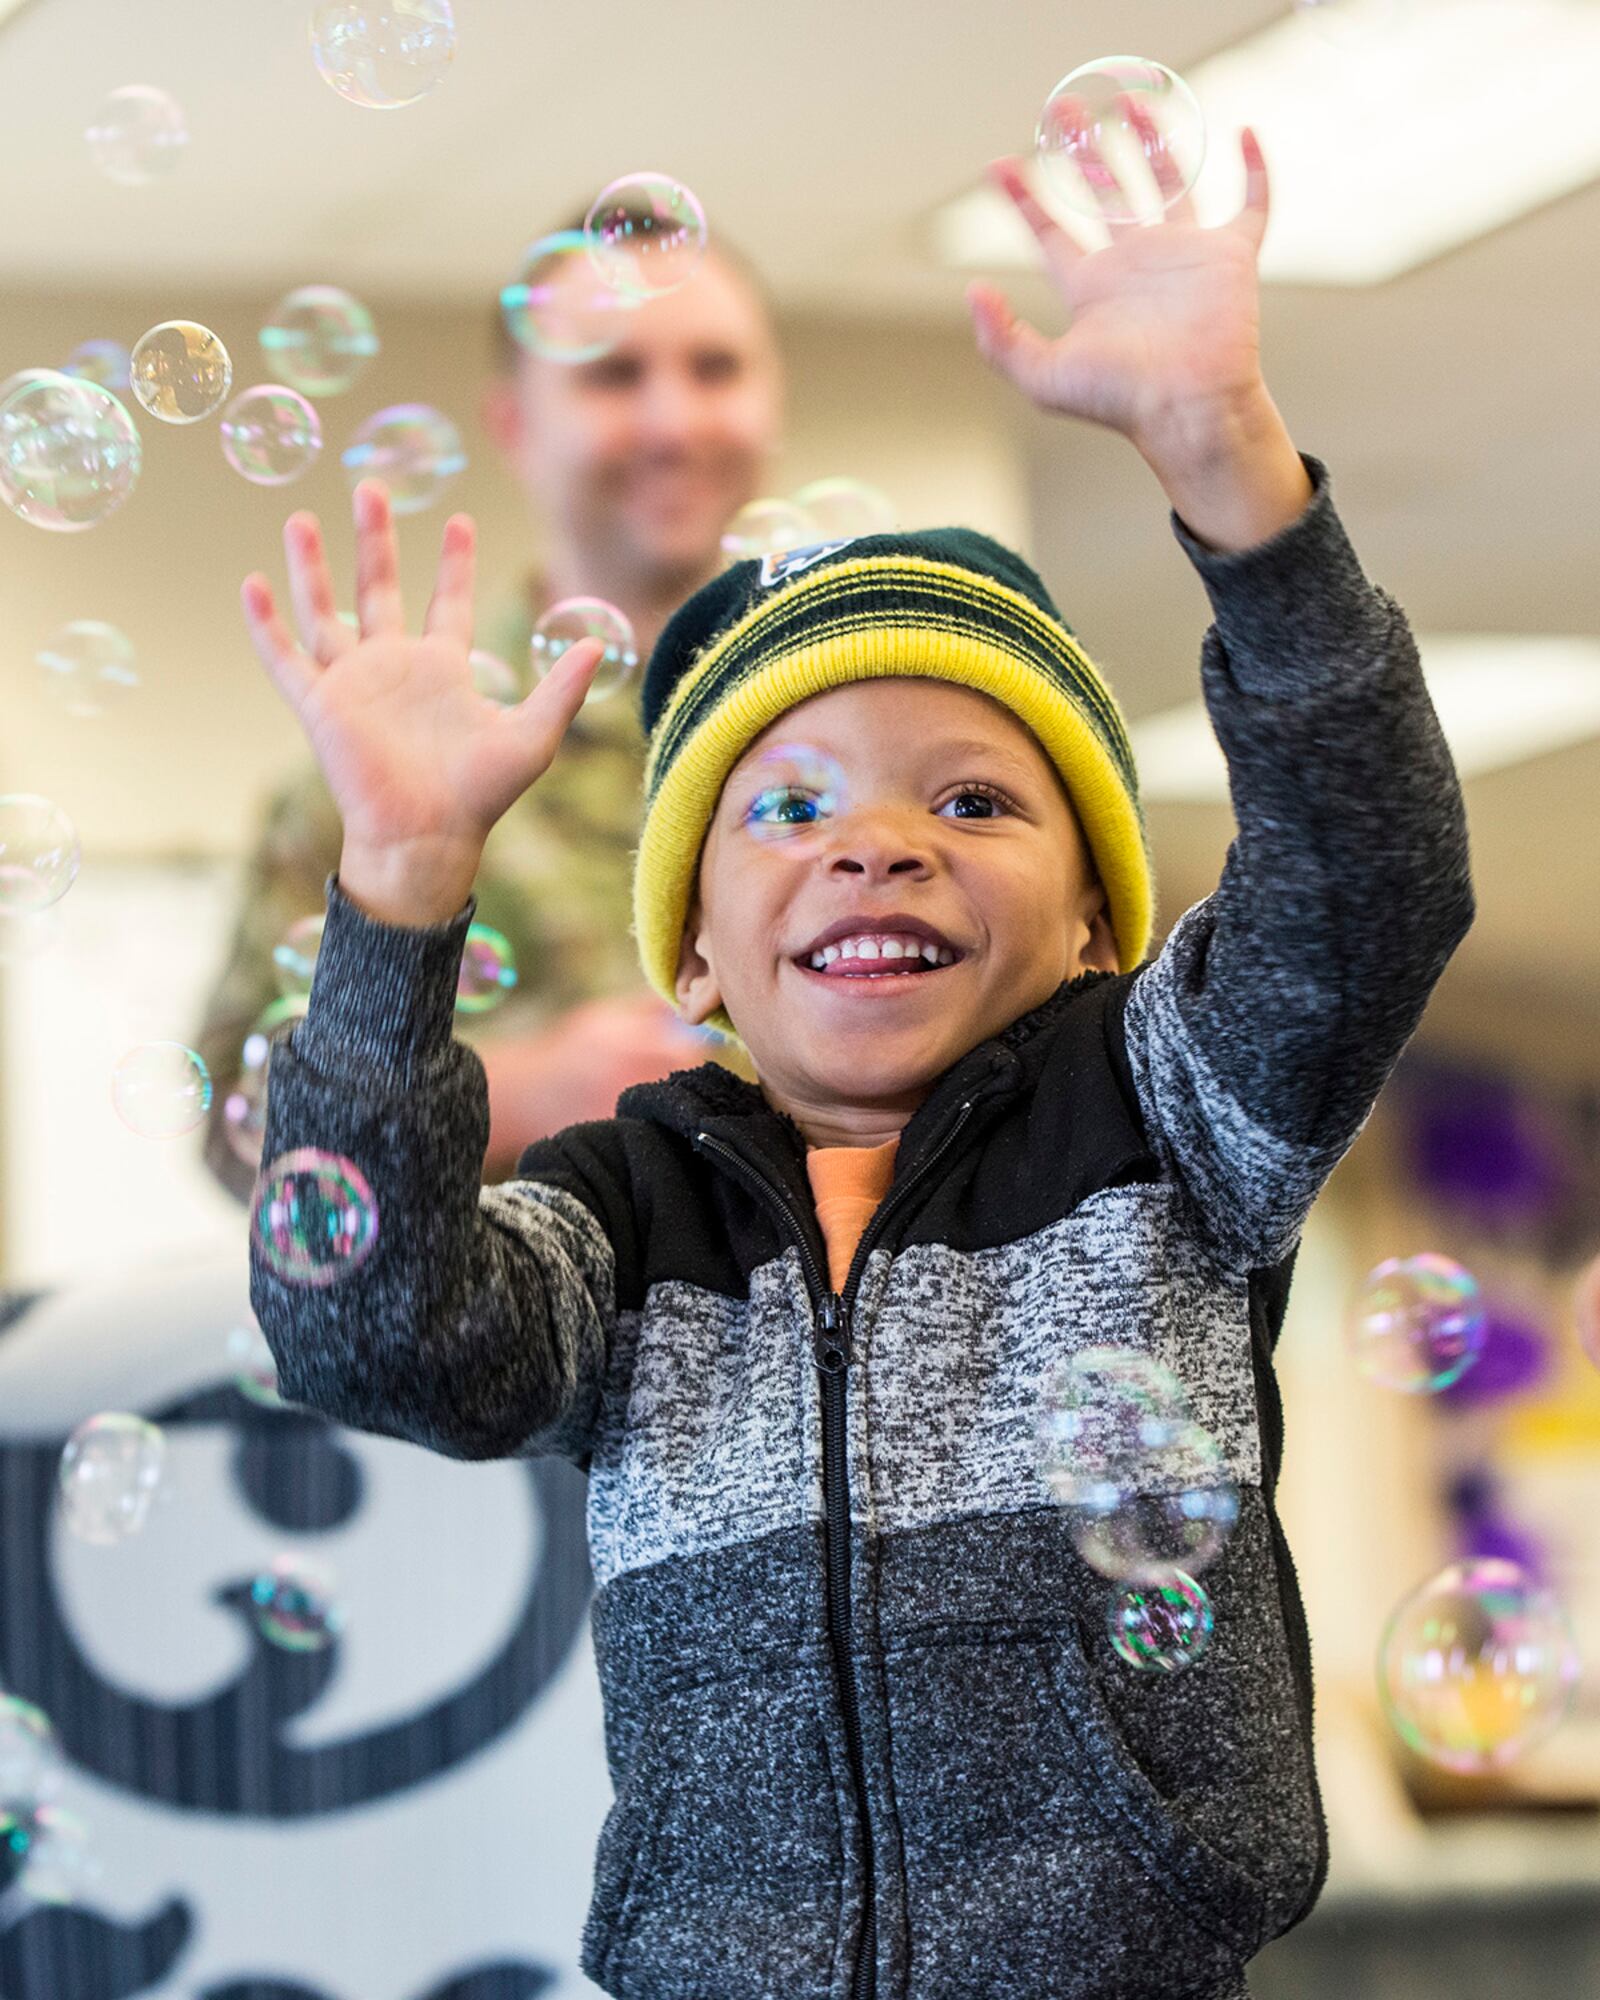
(887, 947)
(868, 948)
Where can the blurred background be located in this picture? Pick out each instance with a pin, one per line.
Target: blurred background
(1431, 286)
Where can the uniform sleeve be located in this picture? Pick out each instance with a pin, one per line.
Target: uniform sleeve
(1260, 1036)
(480, 1324)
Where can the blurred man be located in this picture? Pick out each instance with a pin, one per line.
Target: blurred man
(634, 462)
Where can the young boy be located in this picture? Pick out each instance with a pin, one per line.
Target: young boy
(866, 1730)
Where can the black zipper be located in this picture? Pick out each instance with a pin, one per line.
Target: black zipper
(831, 1352)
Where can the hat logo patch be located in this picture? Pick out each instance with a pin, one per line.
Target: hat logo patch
(779, 567)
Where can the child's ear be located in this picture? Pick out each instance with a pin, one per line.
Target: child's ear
(1100, 952)
(696, 987)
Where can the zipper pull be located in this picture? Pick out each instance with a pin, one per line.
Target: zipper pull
(831, 1335)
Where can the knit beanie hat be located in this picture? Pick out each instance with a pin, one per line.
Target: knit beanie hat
(946, 603)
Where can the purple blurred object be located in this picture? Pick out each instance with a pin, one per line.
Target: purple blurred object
(1477, 1141)
(1514, 1356)
(1486, 1532)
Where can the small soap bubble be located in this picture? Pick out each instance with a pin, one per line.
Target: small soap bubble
(767, 527)
(137, 135)
(161, 1090)
(103, 362)
(488, 970)
(1477, 1665)
(254, 1372)
(314, 1219)
(1106, 128)
(318, 339)
(575, 618)
(1160, 1627)
(413, 448)
(787, 791)
(646, 233)
(57, 1863)
(88, 666)
(69, 454)
(1168, 1505)
(385, 55)
(244, 1109)
(31, 1763)
(1418, 1323)
(270, 434)
(39, 853)
(841, 509)
(108, 1475)
(294, 956)
(494, 679)
(559, 306)
(295, 1605)
(180, 371)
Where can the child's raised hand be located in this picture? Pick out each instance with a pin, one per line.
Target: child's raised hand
(420, 764)
(1165, 319)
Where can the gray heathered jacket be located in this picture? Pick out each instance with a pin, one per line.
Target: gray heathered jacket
(866, 1730)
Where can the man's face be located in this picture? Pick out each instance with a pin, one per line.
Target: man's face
(649, 450)
(916, 828)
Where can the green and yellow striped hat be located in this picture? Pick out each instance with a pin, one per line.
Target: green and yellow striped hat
(768, 634)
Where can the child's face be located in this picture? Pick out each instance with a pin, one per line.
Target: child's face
(1007, 881)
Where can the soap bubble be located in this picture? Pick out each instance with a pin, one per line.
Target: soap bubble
(294, 1605)
(1168, 1505)
(841, 509)
(575, 618)
(69, 454)
(488, 970)
(314, 1218)
(1417, 1324)
(104, 362)
(494, 679)
(1160, 1627)
(180, 371)
(39, 853)
(767, 527)
(788, 791)
(560, 306)
(318, 339)
(385, 54)
(270, 434)
(1104, 129)
(30, 1756)
(109, 1472)
(88, 666)
(294, 956)
(646, 233)
(1095, 1403)
(52, 1846)
(137, 135)
(1477, 1665)
(161, 1090)
(254, 1372)
(413, 448)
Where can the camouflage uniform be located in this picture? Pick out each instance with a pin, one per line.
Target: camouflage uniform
(557, 879)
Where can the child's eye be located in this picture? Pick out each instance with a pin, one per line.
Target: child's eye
(779, 799)
(978, 790)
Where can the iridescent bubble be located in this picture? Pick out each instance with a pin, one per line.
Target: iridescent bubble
(1095, 1402)
(104, 362)
(315, 1219)
(52, 1847)
(270, 434)
(560, 306)
(488, 970)
(1168, 1505)
(161, 1090)
(494, 679)
(88, 666)
(39, 853)
(1477, 1665)
(69, 454)
(1417, 1324)
(646, 233)
(180, 371)
(1160, 1627)
(575, 618)
(382, 55)
(255, 1373)
(1108, 125)
(841, 509)
(108, 1475)
(294, 956)
(413, 448)
(319, 338)
(30, 1756)
(767, 527)
(789, 790)
(295, 1606)
(244, 1109)
(137, 135)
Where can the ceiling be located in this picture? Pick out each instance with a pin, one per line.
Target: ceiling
(1457, 406)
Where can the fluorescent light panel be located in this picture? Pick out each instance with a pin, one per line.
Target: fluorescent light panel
(1499, 699)
(1411, 133)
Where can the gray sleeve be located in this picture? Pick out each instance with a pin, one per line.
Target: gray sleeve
(1261, 1035)
(480, 1322)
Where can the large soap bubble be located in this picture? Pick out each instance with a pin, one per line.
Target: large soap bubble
(413, 448)
(560, 306)
(1113, 130)
(137, 135)
(382, 54)
(161, 1090)
(270, 434)
(1418, 1323)
(575, 618)
(180, 371)
(646, 233)
(108, 1475)
(69, 454)
(314, 1219)
(319, 338)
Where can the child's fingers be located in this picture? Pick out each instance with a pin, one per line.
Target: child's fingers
(292, 673)
(450, 608)
(1058, 246)
(377, 561)
(311, 589)
(1019, 351)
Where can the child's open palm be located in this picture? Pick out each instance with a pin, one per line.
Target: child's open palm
(1165, 319)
